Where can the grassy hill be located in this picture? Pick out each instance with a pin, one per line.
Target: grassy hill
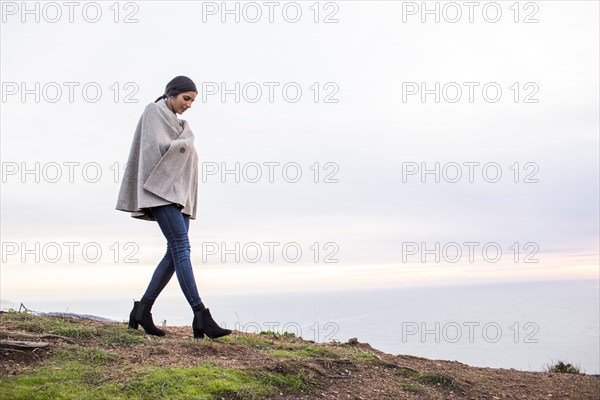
(54, 357)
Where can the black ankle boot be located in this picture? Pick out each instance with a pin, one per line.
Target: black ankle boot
(204, 324)
(140, 315)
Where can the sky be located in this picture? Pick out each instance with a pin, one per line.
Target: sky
(342, 145)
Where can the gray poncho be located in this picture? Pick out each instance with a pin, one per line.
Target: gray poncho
(162, 167)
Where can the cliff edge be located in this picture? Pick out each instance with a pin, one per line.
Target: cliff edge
(58, 357)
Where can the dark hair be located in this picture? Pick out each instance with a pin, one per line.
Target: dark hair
(177, 85)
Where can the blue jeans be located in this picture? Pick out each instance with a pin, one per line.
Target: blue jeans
(175, 226)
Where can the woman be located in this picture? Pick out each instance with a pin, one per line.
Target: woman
(161, 184)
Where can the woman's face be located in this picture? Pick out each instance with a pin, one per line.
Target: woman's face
(180, 103)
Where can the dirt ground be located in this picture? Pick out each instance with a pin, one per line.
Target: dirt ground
(383, 376)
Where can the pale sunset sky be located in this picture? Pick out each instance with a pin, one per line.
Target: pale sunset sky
(342, 145)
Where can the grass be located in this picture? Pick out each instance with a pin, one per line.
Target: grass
(563, 368)
(407, 372)
(251, 341)
(365, 357)
(120, 335)
(82, 378)
(430, 379)
(276, 334)
(206, 380)
(78, 372)
(75, 329)
(89, 371)
(55, 325)
(296, 350)
(87, 355)
(71, 373)
(439, 380)
(411, 387)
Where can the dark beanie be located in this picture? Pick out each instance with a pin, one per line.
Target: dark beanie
(177, 85)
